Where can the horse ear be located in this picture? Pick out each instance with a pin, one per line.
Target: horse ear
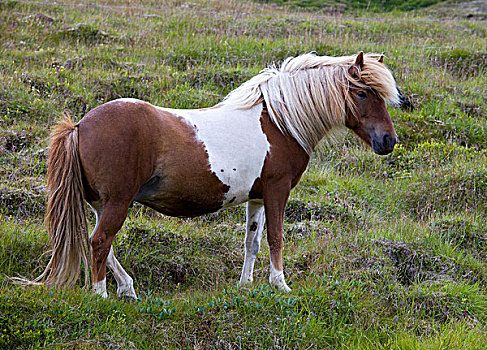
(381, 59)
(359, 61)
(354, 69)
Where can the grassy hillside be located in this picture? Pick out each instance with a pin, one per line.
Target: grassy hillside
(381, 252)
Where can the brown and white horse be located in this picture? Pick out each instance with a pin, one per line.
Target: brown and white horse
(253, 147)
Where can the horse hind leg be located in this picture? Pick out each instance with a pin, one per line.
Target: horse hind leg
(253, 236)
(112, 217)
(125, 283)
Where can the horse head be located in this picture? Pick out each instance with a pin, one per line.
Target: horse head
(367, 115)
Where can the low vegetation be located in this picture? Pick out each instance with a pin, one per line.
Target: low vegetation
(380, 252)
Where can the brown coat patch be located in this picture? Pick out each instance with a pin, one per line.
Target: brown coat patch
(162, 166)
(285, 162)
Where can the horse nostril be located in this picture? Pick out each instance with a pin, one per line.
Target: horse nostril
(389, 141)
(385, 145)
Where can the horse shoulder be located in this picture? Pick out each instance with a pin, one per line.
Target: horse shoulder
(286, 160)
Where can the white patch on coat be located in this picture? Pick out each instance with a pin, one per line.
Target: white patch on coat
(235, 143)
(100, 288)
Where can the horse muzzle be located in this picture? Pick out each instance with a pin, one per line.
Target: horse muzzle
(384, 145)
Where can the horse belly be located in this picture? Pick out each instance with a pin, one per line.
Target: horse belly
(183, 195)
(189, 191)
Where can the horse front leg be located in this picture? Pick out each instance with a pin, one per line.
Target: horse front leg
(275, 199)
(253, 236)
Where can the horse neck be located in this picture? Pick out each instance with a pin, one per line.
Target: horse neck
(306, 105)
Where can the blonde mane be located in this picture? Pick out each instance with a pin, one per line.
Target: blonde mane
(308, 95)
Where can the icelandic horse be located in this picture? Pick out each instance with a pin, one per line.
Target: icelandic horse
(253, 147)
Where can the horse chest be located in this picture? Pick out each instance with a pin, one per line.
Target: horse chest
(235, 146)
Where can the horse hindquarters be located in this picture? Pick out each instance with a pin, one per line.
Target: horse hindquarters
(111, 221)
(117, 154)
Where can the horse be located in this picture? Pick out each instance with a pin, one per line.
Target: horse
(250, 148)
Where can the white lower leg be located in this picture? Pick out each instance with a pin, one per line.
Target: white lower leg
(253, 236)
(248, 269)
(125, 283)
(100, 288)
(276, 279)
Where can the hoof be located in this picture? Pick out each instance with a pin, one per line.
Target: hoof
(285, 288)
(279, 282)
(126, 292)
(100, 288)
(127, 295)
(244, 282)
(128, 298)
(103, 294)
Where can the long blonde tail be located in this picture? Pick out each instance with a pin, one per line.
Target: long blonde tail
(65, 214)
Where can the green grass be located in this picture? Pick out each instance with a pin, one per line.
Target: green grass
(356, 5)
(381, 252)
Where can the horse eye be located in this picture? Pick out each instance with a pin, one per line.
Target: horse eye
(362, 95)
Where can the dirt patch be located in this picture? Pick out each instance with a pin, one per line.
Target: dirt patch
(21, 202)
(414, 265)
(15, 141)
(178, 271)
